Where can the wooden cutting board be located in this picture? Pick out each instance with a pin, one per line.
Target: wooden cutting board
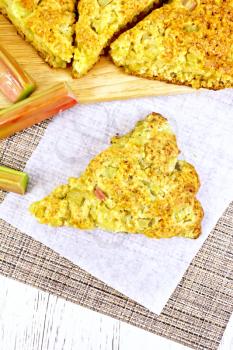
(104, 82)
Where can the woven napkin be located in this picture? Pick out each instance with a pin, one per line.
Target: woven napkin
(146, 270)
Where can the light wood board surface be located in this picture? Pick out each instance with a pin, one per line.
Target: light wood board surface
(104, 82)
(31, 319)
(34, 320)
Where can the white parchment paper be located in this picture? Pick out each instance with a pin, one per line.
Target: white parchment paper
(146, 270)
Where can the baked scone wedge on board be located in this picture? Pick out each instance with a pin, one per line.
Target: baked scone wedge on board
(136, 185)
(47, 24)
(99, 21)
(186, 42)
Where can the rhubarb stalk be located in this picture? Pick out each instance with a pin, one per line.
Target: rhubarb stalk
(13, 180)
(35, 109)
(15, 83)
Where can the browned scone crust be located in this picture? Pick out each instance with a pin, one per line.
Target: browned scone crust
(47, 24)
(99, 21)
(136, 185)
(188, 42)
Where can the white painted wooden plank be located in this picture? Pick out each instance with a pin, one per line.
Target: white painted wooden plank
(34, 320)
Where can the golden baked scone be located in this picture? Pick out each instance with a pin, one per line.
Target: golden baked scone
(47, 24)
(186, 42)
(98, 22)
(136, 185)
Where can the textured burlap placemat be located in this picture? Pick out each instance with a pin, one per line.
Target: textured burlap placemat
(195, 315)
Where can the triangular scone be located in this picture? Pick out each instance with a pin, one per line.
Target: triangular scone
(186, 42)
(47, 24)
(137, 185)
(98, 22)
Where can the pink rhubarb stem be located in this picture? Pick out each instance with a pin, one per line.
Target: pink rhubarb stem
(35, 109)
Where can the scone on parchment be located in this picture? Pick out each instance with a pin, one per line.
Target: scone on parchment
(136, 185)
(47, 24)
(186, 42)
(99, 21)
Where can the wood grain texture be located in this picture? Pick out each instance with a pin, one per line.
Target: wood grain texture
(104, 82)
(34, 320)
